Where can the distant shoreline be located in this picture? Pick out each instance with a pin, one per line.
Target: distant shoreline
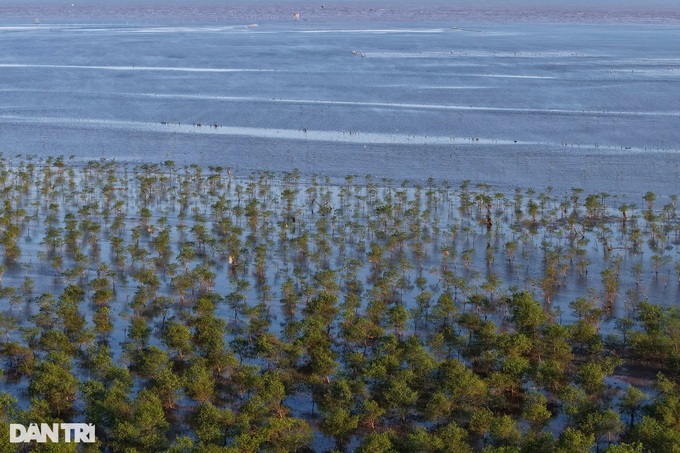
(319, 13)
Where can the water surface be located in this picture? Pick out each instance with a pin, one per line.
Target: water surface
(499, 101)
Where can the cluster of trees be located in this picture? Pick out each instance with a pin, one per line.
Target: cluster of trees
(184, 311)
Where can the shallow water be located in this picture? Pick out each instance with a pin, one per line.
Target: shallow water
(509, 104)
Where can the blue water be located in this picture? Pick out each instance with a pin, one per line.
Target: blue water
(506, 103)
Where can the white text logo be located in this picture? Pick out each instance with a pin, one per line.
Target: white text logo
(70, 432)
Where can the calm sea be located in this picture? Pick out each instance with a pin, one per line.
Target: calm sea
(510, 98)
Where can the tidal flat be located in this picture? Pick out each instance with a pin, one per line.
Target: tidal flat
(511, 104)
